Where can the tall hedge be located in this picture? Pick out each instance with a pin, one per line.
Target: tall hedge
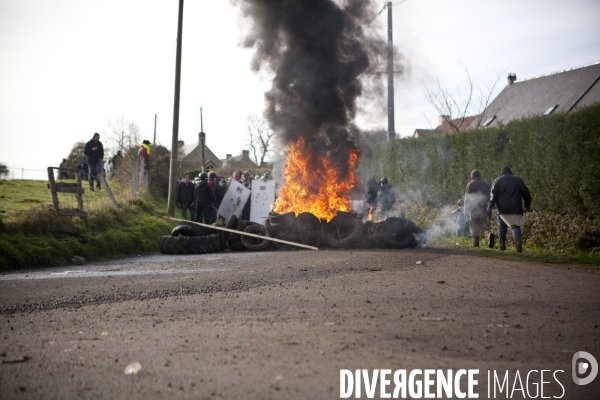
(558, 157)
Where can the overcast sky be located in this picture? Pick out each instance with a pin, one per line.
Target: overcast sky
(68, 66)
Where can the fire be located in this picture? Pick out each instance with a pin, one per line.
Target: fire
(303, 191)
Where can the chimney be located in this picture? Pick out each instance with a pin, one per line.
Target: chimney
(180, 144)
(511, 79)
(245, 153)
(227, 156)
(443, 118)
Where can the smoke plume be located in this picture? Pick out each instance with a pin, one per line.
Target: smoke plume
(319, 52)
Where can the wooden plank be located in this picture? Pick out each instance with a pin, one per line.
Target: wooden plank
(52, 188)
(107, 190)
(72, 213)
(243, 233)
(65, 185)
(73, 190)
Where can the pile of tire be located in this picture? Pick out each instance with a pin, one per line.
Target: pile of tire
(392, 233)
(192, 239)
(345, 230)
(237, 242)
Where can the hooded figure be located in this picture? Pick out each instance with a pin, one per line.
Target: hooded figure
(144, 153)
(477, 194)
(509, 193)
(95, 153)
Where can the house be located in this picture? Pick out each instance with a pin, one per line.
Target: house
(543, 95)
(191, 156)
(446, 126)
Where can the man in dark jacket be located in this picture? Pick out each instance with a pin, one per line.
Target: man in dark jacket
(95, 153)
(370, 198)
(205, 200)
(185, 197)
(509, 194)
(477, 195)
(387, 197)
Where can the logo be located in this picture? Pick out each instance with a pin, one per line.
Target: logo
(580, 368)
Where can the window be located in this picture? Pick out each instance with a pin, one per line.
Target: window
(550, 110)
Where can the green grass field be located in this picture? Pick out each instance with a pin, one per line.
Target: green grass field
(29, 225)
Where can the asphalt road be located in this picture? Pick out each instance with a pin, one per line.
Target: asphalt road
(281, 325)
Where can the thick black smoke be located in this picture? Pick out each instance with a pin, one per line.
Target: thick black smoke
(318, 50)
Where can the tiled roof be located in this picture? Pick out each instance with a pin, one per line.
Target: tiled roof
(536, 95)
(460, 123)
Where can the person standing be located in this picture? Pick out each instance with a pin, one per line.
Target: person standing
(108, 169)
(370, 197)
(205, 200)
(477, 194)
(144, 159)
(62, 170)
(510, 194)
(387, 197)
(95, 153)
(184, 197)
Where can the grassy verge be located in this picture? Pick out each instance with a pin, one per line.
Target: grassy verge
(27, 231)
(530, 253)
(547, 238)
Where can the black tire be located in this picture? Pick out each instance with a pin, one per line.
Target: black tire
(342, 231)
(234, 237)
(346, 214)
(232, 223)
(237, 246)
(404, 240)
(186, 230)
(203, 230)
(282, 222)
(308, 227)
(394, 225)
(252, 243)
(189, 244)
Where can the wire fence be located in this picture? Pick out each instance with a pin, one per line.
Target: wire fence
(34, 191)
(26, 174)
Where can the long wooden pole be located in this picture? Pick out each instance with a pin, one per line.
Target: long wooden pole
(175, 138)
(243, 233)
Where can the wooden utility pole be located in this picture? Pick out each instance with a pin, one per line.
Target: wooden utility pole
(175, 139)
(390, 74)
(202, 140)
(154, 142)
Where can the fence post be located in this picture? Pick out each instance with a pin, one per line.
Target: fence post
(134, 177)
(52, 183)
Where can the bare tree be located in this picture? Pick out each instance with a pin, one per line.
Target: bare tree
(456, 105)
(260, 139)
(122, 132)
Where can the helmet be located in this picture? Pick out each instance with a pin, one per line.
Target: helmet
(203, 175)
(383, 181)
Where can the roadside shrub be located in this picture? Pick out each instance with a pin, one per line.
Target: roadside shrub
(558, 157)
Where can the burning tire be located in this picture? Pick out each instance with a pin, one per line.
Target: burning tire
(252, 243)
(308, 227)
(282, 222)
(342, 231)
(189, 244)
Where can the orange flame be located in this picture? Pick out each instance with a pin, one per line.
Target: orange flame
(302, 192)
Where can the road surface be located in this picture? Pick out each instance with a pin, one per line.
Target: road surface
(282, 325)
